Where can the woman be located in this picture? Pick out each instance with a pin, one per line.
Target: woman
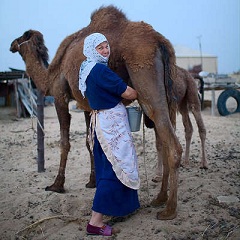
(116, 168)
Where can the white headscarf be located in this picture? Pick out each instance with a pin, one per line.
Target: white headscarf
(93, 57)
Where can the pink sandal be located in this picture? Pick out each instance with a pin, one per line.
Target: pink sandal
(105, 230)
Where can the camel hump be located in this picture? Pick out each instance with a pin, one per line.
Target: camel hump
(108, 14)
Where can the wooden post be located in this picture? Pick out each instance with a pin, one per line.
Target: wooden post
(213, 103)
(17, 98)
(40, 133)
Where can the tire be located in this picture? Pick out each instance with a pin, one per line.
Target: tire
(222, 99)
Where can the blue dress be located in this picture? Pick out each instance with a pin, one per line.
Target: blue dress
(112, 197)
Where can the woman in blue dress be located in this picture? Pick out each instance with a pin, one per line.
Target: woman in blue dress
(116, 167)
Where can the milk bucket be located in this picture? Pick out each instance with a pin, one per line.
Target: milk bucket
(134, 117)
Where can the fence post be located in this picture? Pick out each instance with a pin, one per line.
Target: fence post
(40, 132)
(17, 98)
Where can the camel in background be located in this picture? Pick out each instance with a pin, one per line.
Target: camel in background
(186, 92)
(143, 58)
(188, 100)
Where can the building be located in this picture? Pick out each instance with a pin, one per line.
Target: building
(187, 58)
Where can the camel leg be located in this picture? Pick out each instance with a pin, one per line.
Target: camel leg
(171, 160)
(64, 120)
(159, 168)
(92, 179)
(170, 211)
(172, 154)
(170, 150)
(195, 107)
(150, 84)
(188, 132)
(202, 133)
(162, 197)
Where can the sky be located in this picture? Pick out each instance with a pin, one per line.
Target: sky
(215, 24)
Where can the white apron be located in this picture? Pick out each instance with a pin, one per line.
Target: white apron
(114, 135)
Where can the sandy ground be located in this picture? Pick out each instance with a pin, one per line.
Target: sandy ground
(27, 211)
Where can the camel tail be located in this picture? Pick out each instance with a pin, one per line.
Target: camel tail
(169, 60)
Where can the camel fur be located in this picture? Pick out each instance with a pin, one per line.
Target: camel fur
(143, 58)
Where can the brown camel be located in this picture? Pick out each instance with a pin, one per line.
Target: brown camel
(35, 56)
(139, 53)
(186, 92)
(188, 100)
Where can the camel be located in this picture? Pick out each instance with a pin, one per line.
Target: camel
(188, 100)
(36, 60)
(143, 58)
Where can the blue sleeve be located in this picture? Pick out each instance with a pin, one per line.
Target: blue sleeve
(111, 82)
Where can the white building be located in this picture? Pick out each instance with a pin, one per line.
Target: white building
(187, 58)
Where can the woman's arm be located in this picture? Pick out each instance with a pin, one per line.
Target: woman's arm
(129, 93)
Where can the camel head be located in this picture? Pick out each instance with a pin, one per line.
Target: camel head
(35, 55)
(34, 40)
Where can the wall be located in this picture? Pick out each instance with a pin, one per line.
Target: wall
(209, 63)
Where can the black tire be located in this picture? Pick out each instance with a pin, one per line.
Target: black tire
(222, 99)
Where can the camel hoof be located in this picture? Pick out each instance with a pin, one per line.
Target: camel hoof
(157, 203)
(160, 200)
(91, 184)
(54, 189)
(166, 215)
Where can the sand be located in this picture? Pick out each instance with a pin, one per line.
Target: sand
(208, 200)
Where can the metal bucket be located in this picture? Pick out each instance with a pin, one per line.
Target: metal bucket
(134, 118)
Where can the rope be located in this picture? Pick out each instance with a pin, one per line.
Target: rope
(32, 115)
(135, 104)
(144, 160)
(22, 43)
(30, 96)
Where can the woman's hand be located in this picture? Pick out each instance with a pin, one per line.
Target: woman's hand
(129, 93)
